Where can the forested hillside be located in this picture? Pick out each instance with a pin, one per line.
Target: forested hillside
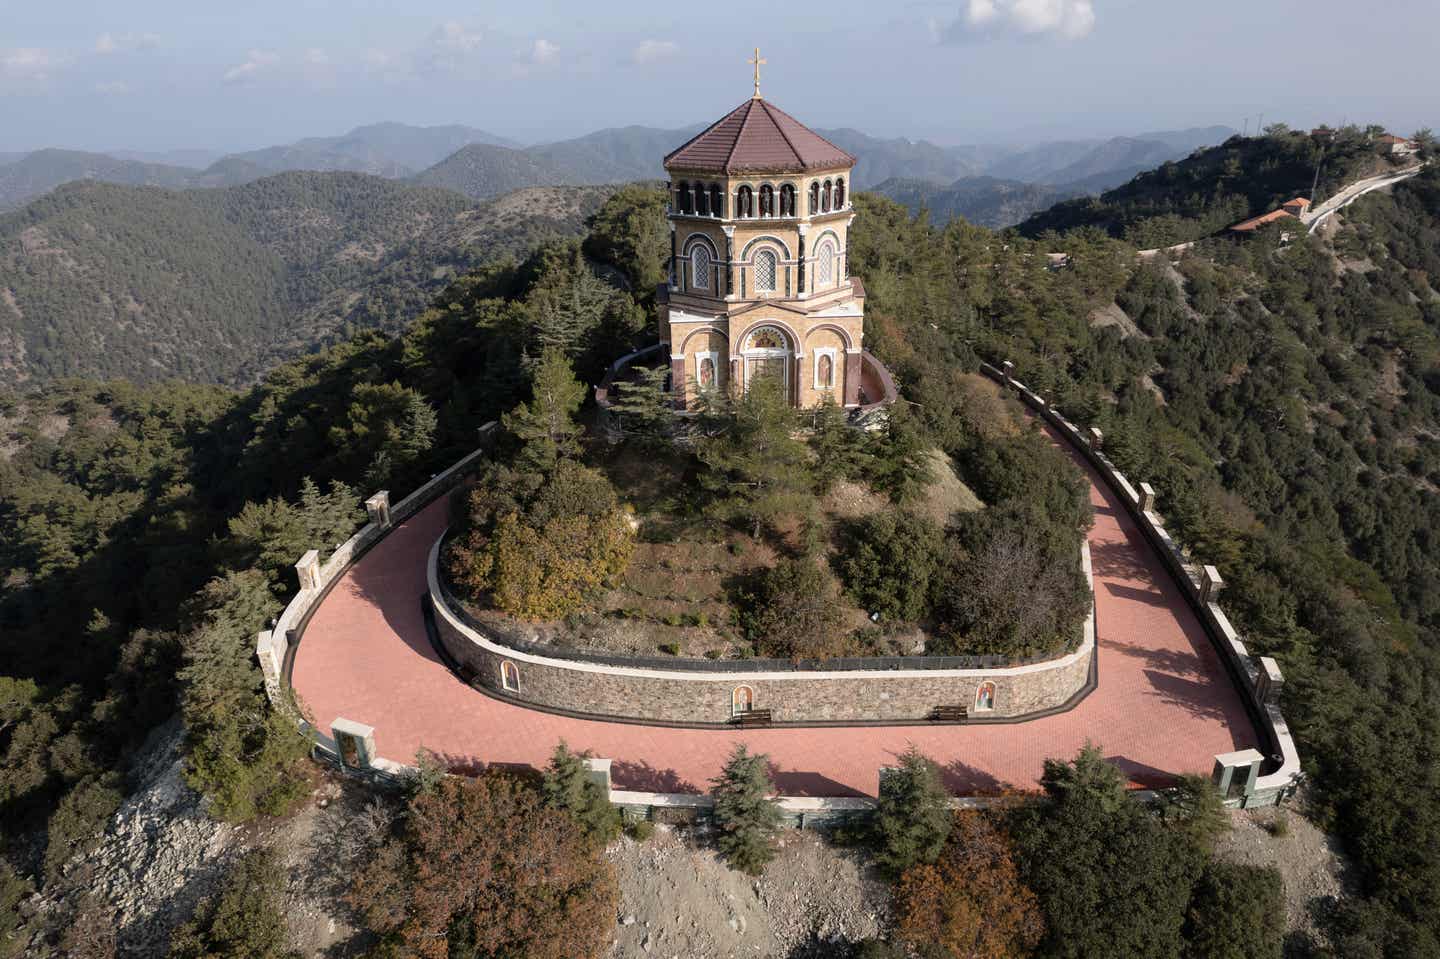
(1283, 400)
(220, 285)
(1218, 187)
(982, 200)
(32, 174)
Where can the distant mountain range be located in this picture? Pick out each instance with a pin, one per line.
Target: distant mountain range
(482, 165)
(985, 200)
(107, 280)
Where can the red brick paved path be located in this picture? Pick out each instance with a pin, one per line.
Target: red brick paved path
(1164, 704)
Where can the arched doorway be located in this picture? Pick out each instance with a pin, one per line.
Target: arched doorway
(768, 355)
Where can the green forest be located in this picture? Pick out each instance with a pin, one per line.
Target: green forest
(1282, 399)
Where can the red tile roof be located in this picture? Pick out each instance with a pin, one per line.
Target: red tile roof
(1257, 222)
(758, 137)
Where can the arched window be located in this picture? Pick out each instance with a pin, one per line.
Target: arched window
(700, 267)
(824, 263)
(717, 206)
(744, 203)
(985, 697)
(509, 676)
(787, 200)
(814, 197)
(825, 198)
(742, 700)
(765, 269)
(840, 193)
(767, 200)
(686, 203)
(702, 200)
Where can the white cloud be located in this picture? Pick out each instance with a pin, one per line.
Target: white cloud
(1071, 19)
(316, 57)
(544, 52)
(125, 42)
(654, 51)
(256, 63)
(447, 48)
(112, 88)
(28, 63)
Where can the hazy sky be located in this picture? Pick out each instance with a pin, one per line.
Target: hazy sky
(158, 74)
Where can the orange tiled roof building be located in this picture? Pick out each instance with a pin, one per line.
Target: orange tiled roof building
(759, 285)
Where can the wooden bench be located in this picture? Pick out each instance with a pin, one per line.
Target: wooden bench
(754, 717)
(950, 714)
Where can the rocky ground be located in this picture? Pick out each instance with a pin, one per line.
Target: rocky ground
(1311, 865)
(678, 900)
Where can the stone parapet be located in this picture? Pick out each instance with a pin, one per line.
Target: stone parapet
(1200, 587)
(691, 697)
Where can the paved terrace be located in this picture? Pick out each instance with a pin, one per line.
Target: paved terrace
(1164, 704)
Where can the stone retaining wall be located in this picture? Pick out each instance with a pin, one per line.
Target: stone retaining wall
(706, 698)
(1259, 680)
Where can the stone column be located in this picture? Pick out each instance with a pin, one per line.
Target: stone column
(674, 264)
(355, 742)
(1269, 682)
(800, 286)
(796, 385)
(1210, 584)
(1008, 368)
(307, 570)
(1096, 439)
(852, 378)
(1147, 497)
(729, 260)
(378, 506)
(678, 386)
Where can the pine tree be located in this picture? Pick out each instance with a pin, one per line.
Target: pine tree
(912, 817)
(839, 448)
(745, 815)
(900, 464)
(568, 786)
(546, 425)
(643, 407)
(758, 471)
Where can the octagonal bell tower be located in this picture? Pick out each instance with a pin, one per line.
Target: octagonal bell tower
(759, 285)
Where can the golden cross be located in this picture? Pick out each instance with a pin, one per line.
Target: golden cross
(758, 62)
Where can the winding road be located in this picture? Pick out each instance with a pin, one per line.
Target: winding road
(1317, 216)
(1164, 703)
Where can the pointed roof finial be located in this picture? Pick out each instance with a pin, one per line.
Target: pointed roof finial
(758, 62)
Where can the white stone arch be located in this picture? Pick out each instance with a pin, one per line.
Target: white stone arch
(742, 700)
(509, 676)
(838, 330)
(698, 331)
(766, 238)
(826, 261)
(762, 360)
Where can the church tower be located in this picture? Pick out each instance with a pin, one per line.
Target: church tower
(759, 284)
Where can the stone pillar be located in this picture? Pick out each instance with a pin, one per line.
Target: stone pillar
(729, 260)
(1147, 497)
(1008, 368)
(1210, 584)
(270, 666)
(1269, 682)
(674, 264)
(355, 742)
(1096, 438)
(678, 386)
(853, 362)
(800, 286)
(599, 770)
(378, 506)
(308, 570)
(796, 385)
(1235, 773)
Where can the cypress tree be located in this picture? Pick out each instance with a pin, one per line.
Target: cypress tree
(569, 787)
(912, 817)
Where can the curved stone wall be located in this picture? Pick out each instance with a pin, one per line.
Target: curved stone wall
(707, 698)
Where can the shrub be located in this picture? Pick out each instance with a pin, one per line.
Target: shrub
(970, 901)
(543, 554)
(791, 611)
(568, 786)
(912, 816)
(892, 562)
(670, 649)
(242, 920)
(1236, 912)
(641, 829)
(484, 867)
(744, 813)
